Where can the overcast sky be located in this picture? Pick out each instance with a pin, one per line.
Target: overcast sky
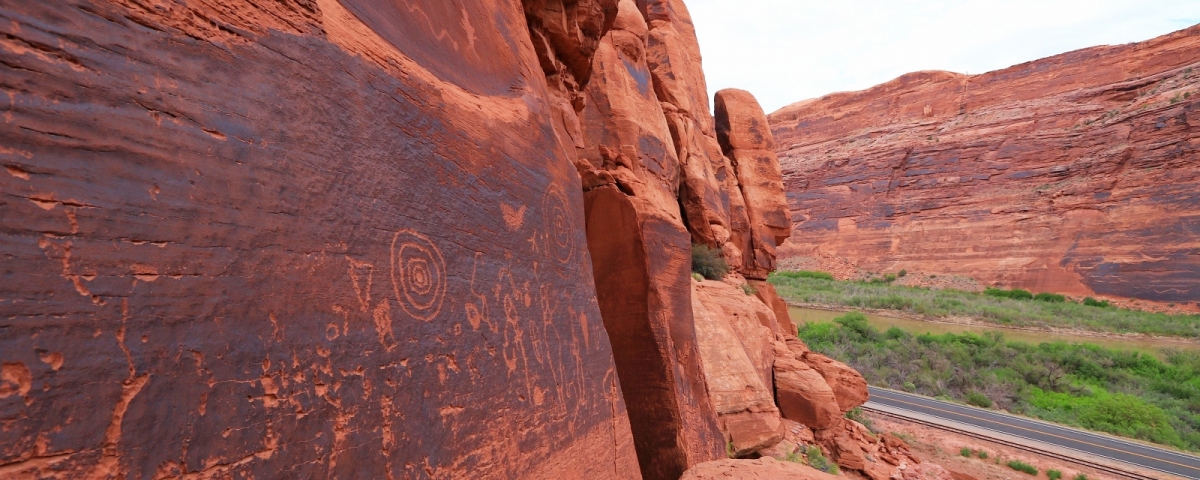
(785, 51)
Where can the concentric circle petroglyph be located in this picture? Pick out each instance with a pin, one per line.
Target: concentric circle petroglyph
(418, 274)
(559, 231)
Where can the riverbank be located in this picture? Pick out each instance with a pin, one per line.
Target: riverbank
(1119, 391)
(1160, 340)
(963, 307)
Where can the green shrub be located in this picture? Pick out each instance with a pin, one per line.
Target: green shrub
(1015, 294)
(698, 277)
(903, 273)
(857, 415)
(1022, 467)
(708, 262)
(1019, 294)
(1050, 297)
(1081, 477)
(817, 460)
(749, 289)
(858, 323)
(979, 400)
(966, 452)
(1054, 474)
(982, 454)
(1091, 302)
(889, 278)
(804, 274)
(794, 457)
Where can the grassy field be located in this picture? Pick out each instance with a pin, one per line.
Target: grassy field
(1123, 393)
(814, 287)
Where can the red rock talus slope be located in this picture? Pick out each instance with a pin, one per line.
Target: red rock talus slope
(1077, 173)
(302, 239)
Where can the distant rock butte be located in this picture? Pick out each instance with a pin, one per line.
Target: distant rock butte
(1075, 174)
(379, 239)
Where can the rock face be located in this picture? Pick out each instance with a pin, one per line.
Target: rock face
(374, 239)
(737, 357)
(1075, 174)
(745, 137)
(313, 239)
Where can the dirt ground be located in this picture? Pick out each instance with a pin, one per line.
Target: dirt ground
(944, 448)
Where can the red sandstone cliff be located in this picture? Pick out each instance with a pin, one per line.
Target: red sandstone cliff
(1076, 173)
(366, 239)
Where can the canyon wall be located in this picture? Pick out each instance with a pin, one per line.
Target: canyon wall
(302, 239)
(392, 239)
(1076, 174)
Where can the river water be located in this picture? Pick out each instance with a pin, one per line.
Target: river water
(1151, 346)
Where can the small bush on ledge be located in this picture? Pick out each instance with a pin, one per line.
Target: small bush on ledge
(708, 262)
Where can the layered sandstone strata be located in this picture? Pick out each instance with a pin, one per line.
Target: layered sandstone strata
(1075, 173)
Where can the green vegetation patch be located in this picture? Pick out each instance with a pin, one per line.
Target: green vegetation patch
(708, 262)
(1120, 392)
(1054, 474)
(1015, 308)
(804, 274)
(1016, 293)
(817, 460)
(1022, 467)
(1050, 297)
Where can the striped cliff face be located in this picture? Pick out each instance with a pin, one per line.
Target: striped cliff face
(1076, 173)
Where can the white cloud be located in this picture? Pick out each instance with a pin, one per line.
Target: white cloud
(784, 51)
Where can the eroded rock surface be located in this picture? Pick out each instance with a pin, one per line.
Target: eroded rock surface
(1074, 174)
(375, 239)
(763, 468)
(312, 239)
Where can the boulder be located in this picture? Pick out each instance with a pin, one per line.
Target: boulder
(803, 395)
(852, 446)
(766, 292)
(848, 385)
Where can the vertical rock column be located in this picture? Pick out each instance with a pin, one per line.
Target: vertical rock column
(640, 250)
(746, 139)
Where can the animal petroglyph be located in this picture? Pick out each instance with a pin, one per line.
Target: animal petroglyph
(514, 217)
(418, 275)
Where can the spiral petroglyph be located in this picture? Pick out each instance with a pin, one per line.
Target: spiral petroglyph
(418, 274)
(559, 227)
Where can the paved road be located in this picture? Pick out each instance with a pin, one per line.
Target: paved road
(1187, 466)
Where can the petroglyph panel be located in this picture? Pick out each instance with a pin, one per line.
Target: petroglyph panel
(249, 252)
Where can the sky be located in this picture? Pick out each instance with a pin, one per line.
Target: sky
(784, 51)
